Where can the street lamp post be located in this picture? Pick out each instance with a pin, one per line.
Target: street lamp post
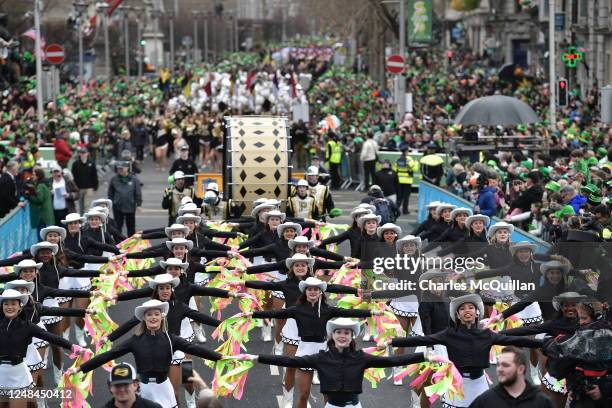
(39, 56)
(155, 14)
(236, 36)
(196, 15)
(140, 52)
(103, 10)
(126, 28)
(170, 15)
(80, 8)
(551, 65)
(205, 28)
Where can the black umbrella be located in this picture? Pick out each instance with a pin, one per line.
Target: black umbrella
(496, 110)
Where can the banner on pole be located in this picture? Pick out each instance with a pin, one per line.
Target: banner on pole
(419, 14)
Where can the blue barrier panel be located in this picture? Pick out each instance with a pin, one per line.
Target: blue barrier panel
(428, 193)
(16, 232)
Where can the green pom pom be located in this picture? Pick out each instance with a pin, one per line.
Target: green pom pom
(335, 212)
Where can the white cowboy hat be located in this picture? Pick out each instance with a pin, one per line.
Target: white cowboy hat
(176, 227)
(19, 283)
(460, 210)
(312, 282)
(573, 297)
(262, 206)
(312, 171)
(26, 263)
(105, 201)
(12, 294)
(433, 204)
(140, 311)
(164, 278)
(103, 210)
(275, 213)
(281, 228)
(186, 200)
(367, 217)
(300, 240)
(343, 323)
(44, 245)
(498, 226)
(173, 262)
(299, 258)
(188, 217)
(179, 241)
(60, 230)
(189, 208)
(273, 201)
(476, 300)
(94, 213)
(73, 217)
(358, 212)
(484, 218)
(515, 246)
(259, 201)
(399, 244)
(444, 206)
(388, 227)
(546, 266)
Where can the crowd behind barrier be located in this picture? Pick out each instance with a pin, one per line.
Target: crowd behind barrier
(429, 193)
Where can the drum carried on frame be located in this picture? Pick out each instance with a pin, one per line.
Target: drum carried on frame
(256, 161)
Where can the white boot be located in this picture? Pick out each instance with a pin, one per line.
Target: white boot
(80, 338)
(287, 398)
(534, 372)
(415, 400)
(315, 378)
(200, 335)
(266, 333)
(396, 371)
(366, 336)
(40, 403)
(278, 348)
(57, 373)
(66, 334)
(190, 399)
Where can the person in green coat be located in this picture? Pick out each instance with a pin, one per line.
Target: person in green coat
(41, 206)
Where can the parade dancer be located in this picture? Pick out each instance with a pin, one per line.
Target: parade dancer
(153, 350)
(311, 313)
(468, 346)
(341, 365)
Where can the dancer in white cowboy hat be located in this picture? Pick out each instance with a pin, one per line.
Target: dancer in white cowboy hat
(153, 349)
(311, 313)
(18, 332)
(352, 234)
(110, 224)
(33, 312)
(95, 227)
(178, 319)
(456, 232)
(364, 249)
(468, 346)
(341, 365)
(443, 222)
(299, 267)
(432, 218)
(474, 240)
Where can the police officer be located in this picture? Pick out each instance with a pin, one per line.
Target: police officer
(174, 194)
(333, 155)
(405, 168)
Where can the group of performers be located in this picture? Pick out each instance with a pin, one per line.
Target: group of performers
(315, 340)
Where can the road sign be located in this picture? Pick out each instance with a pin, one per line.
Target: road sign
(395, 64)
(55, 54)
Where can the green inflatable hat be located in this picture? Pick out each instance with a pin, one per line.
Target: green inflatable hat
(553, 186)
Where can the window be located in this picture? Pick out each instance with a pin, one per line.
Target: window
(584, 9)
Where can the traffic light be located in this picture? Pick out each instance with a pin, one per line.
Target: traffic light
(562, 92)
